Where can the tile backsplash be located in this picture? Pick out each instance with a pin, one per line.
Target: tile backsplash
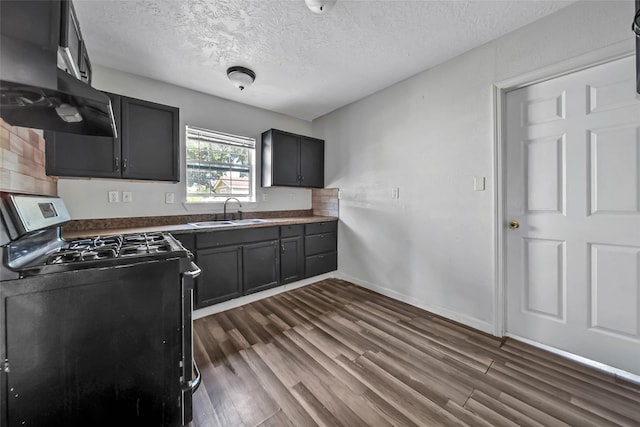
(324, 201)
(22, 161)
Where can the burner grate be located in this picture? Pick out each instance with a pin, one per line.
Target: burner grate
(99, 248)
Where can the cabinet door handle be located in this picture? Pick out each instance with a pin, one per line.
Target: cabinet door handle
(124, 165)
(301, 178)
(282, 246)
(116, 163)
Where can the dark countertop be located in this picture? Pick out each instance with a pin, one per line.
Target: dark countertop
(187, 228)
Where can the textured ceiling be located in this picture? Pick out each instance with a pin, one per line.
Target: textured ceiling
(306, 64)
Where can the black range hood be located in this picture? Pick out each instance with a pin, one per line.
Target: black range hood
(34, 92)
(73, 107)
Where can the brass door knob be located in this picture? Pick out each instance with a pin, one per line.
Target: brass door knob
(514, 224)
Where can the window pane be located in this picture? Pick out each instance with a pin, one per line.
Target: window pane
(217, 169)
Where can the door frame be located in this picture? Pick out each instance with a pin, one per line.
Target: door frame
(500, 89)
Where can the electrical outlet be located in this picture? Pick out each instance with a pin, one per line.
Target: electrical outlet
(114, 197)
(169, 197)
(339, 194)
(395, 193)
(292, 196)
(479, 183)
(127, 197)
(265, 197)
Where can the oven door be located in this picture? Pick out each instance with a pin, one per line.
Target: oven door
(92, 347)
(190, 378)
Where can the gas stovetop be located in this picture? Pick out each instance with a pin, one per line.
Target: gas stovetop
(31, 242)
(99, 248)
(101, 251)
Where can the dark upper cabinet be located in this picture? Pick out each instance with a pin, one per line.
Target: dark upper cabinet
(292, 160)
(147, 146)
(311, 162)
(150, 140)
(70, 154)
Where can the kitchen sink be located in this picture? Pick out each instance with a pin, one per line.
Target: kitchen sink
(211, 223)
(248, 221)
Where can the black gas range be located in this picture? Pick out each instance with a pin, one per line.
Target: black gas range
(93, 331)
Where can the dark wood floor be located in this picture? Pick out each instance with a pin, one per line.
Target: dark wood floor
(335, 354)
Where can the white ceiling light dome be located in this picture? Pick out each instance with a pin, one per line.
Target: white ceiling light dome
(241, 77)
(320, 6)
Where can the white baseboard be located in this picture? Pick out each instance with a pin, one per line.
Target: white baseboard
(628, 376)
(472, 322)
(237, 302)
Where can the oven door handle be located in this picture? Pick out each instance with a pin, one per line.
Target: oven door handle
(193, 384)
(194, 272)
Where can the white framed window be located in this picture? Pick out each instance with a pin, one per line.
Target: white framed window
(219, 165)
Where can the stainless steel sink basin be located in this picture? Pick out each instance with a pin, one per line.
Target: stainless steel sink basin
(248, 221)
(211, 223)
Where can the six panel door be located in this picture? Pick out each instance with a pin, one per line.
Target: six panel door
(573, 186)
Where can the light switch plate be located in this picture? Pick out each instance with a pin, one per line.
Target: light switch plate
(127, 197)
(114, 197)
(479, 183)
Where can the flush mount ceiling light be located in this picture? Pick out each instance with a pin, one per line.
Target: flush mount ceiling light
(320, 6)
(241, 77)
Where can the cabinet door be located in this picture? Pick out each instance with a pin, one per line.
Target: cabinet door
(260, 263)
(70, 154)
(285, 158)
(319, 264)
(291, 259)
(150, 140)
(311, 162)
(221, 277)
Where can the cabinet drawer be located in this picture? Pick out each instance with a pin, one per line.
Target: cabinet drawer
(291, 230)
(319, 264)
(214, 239)
(321, 227)
(320, 243)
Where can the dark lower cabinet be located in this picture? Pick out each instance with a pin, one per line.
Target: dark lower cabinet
(320, 248)
(291, 259)
(260, 263)
(243, 261)
(221, 277)
(320, 264)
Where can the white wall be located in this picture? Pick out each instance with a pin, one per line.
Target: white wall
(429, 136)
(87, 198)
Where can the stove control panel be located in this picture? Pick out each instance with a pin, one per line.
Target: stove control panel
(37, 212)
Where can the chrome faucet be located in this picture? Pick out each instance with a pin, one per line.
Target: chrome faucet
(224, 215)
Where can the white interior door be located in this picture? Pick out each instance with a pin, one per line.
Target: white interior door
(573, 186)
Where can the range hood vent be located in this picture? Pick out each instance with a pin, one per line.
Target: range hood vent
(34, 92)
(73, 107)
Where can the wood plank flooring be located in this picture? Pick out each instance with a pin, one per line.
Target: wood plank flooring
(335, 354)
